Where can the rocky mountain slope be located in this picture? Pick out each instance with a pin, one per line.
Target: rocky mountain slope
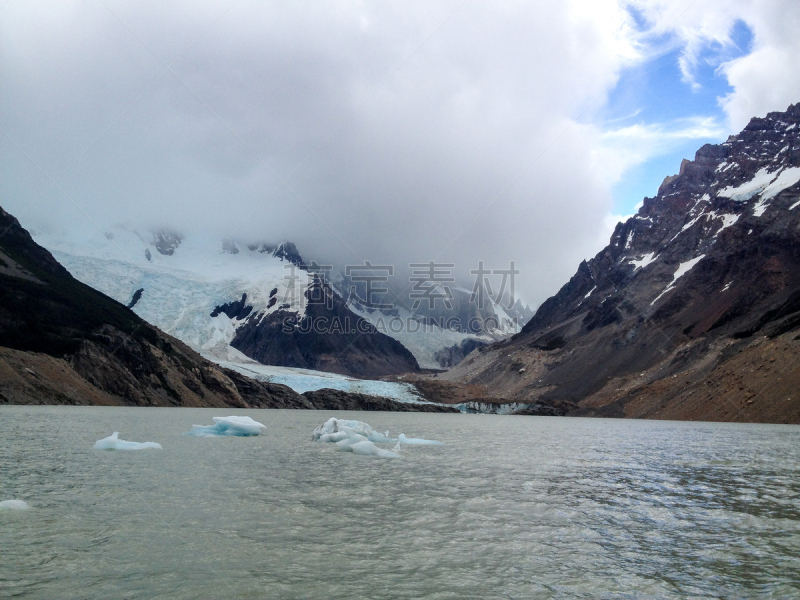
(62, 342)
(327, 336)
(693, 309)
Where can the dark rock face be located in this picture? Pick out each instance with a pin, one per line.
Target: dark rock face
(712, 259)
(167, 241)
(234, 310)
(137, 295)
(229, 247)
(285, 251)
(450, 357)
(329, 337)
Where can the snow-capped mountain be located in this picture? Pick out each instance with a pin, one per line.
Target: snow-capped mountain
(230, 301)
(693, 308)
(437, 331)
(62, 342)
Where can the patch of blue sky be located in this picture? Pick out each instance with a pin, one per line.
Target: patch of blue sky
(657, 93)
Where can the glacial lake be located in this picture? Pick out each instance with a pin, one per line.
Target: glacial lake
(509, 507)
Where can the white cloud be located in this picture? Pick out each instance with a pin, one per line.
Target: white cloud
(412, 131)
(618, 150)
(764, 79)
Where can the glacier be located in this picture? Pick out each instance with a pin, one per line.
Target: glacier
(306, 380)
(113, 442)
(233, 426)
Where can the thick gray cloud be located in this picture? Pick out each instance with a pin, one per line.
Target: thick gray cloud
(401, 132)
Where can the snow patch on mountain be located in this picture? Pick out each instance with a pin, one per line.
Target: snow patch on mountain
(641, 263)
(786, 179)
(748, 189)
(727, 221)
(683, 268)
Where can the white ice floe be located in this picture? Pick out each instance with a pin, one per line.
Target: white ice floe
(402, 439)
(335, 430)
(358, 444)
(14, 505)
(360, 438)
(367, 448)
(234, 426)
(113, 442)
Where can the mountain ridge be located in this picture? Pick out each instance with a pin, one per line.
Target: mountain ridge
(707, 269)
(63, 342)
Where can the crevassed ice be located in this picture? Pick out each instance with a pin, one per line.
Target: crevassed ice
(304, 380)
(113, 442)
(233, 426)
(182, 290)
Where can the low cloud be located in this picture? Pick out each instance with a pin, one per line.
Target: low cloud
(400, 133)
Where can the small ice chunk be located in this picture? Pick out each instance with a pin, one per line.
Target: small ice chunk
(113, 442)
(417, 441)
(14, 505)
(235, 426)
(367, 448)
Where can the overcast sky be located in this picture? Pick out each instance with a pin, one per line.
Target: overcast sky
(406, 131)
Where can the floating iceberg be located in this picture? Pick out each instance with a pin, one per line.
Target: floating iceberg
(14, 505)
(238, 426)
(360, 438)
(367, 448)
(113, 442)
(336, 430)
(402, 439)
